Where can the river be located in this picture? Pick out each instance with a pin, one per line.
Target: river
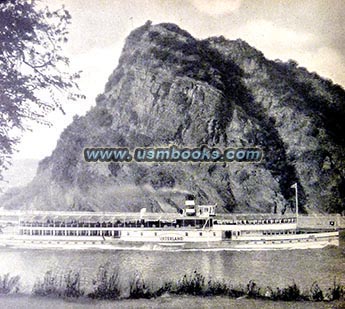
(266, 268)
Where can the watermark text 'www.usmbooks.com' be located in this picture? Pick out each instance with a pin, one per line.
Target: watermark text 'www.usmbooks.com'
(172, 154)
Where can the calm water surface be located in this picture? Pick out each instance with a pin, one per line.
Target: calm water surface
(273, 268)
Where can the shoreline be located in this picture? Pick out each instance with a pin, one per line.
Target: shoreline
(108, 285)
(19, 301)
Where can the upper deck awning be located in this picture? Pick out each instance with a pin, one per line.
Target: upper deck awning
(37, 215)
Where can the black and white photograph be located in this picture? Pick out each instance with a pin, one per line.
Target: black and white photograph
(172, 154)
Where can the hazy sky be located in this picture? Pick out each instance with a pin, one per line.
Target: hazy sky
(310, 32)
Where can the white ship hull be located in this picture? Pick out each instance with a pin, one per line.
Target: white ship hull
(200, 230)
(303, 241)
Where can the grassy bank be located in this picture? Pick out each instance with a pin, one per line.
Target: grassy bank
(107, 285)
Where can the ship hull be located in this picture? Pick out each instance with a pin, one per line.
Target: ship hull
(307, 241)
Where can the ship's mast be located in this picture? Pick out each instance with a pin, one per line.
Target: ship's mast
(296, 196)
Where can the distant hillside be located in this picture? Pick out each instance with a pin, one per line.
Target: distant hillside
(19, 174)
(172, 88)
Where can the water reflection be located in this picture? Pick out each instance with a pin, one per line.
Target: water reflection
(274, 268)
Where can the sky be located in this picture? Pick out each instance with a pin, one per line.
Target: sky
(308, 31)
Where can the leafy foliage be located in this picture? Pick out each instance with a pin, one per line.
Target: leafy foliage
(193, 284)
(315, 292)
(33, 69)
(138, 287)
(9, 284)
(59, 285)
(107, 284)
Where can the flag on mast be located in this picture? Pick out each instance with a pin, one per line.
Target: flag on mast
(294, 186)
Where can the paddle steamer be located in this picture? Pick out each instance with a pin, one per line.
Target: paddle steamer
(195, 227)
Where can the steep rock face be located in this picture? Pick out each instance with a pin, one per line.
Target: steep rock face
(171, 88)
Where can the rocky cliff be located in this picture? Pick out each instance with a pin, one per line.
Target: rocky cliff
(172, 88)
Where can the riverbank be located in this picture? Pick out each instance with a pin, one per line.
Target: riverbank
(168, 302)
(107, 285)
(238, 270)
